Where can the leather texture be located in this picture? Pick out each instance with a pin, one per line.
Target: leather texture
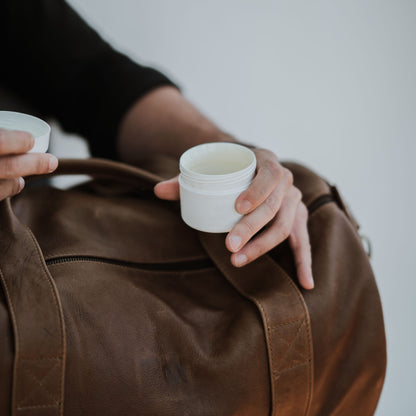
(34, 307)
(116, 307)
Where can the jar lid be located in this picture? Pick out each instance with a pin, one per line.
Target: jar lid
(11, 120)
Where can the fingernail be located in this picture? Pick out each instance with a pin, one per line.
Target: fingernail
(243, 207)
(235, 242)
(240, 259)
(21, 184)
(32, 141)
(53, 163)
(311, 281)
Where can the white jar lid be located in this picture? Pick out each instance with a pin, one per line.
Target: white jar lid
(11, 120)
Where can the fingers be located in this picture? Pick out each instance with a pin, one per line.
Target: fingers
(272, 212)
(277, 231)
(27, 164)
(299, 242)
(168, 190)
(253, 222)
(15, 162)
(269, 175)
(10, 187)
(14, 142)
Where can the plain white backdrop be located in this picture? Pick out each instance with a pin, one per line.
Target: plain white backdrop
(328, 83)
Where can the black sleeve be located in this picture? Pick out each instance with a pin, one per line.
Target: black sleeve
(51, 58)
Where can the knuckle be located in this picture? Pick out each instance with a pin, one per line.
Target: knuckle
(27, 140)
(263, 154)
(289, 176)
(10, 167)
(303, 211)
(41, 164)
(253, 195)
(297, 194)
(271, 206)
(284, 229)
(247, 229)
(273, 167)
(256, 250)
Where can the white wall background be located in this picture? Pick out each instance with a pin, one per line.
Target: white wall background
(329, 83)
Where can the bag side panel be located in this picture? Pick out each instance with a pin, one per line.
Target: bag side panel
(346, 316)
(167, 343)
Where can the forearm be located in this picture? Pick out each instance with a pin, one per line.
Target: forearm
(164, 122)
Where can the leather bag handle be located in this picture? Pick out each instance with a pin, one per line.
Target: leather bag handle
(286, 324)
(37, 321)
(106, 169)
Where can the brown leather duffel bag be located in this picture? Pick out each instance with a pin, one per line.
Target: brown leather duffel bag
(114, 307)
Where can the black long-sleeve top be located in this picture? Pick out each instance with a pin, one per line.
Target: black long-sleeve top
(52, 59)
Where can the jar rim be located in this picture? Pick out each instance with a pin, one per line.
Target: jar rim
(221, 150)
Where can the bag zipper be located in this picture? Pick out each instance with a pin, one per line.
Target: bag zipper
(169, 266)
(318, 202)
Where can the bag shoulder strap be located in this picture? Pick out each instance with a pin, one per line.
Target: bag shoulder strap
(37, 321)
(286, 323)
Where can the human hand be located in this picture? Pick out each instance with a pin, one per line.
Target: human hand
(15, 162)
(272, 205)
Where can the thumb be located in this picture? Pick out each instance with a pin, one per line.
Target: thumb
(168, 189)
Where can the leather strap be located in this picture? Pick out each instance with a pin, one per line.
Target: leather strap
(286, 323)
(103, 169)
(37, 320)
(33, 300)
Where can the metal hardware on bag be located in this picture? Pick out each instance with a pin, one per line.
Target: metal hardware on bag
(367, 245)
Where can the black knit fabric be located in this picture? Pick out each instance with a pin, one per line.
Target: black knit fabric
(51, 58)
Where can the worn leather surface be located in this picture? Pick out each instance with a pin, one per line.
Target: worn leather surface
(286, 326)
(149, 337)
(36, 315)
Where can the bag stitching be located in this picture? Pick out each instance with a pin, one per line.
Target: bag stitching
(272, 328)
(39, 382)
(292, 342)
(15, 326)
(285, 370)
(37, 406)
(54, 295)
(301, 300)
(274, 397)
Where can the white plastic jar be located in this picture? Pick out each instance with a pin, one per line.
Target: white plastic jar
(11, 120)
(212, 176)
